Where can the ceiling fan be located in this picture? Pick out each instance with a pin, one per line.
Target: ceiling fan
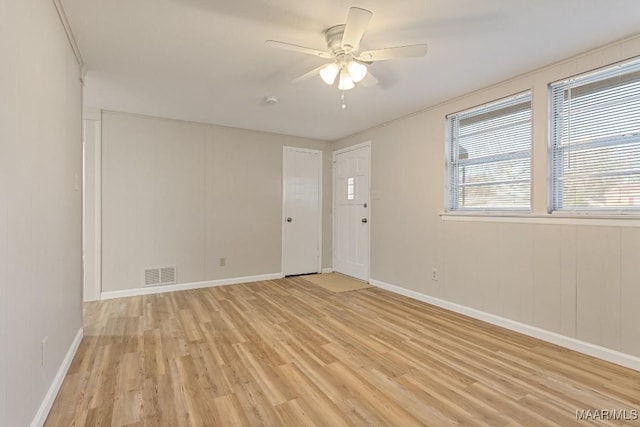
(349, 66)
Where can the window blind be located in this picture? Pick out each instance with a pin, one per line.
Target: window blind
(489, 156)
(595, 141)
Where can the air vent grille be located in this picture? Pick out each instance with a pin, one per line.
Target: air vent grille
(168, 275)
(160, 276)
(151, 276)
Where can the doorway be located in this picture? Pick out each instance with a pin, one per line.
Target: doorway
(92, 205)
(302, 211)
(352, 210)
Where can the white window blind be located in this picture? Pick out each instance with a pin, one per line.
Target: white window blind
(488, 161)
(595, 141)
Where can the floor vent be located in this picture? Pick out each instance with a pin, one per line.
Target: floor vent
(160, 276)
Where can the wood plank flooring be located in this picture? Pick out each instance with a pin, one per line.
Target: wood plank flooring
(288, 353)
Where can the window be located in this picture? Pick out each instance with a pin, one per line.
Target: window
(351, 188)
(489, 156)
(595, 141)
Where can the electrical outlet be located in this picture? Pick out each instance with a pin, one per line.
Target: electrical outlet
(223, 262)
(44, 350)
(434, 274)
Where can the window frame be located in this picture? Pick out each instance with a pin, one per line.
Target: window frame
(555, 149)
(451, 166)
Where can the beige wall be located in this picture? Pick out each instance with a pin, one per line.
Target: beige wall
(570, 277)
(186, 194)
(40, 207)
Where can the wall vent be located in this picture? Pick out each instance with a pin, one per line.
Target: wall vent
(160, 276)
(167, 275)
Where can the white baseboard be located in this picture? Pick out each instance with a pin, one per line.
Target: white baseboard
(594, 350)
(185, 286)
(47, 402)
(327, 270)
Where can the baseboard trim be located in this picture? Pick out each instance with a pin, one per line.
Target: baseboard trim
(50, 397)
(187, 286)
(327, 270)
(594, 350)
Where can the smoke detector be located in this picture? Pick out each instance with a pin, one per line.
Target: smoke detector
(271, 100)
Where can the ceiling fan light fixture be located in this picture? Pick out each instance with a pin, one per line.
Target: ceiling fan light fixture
(345, 82)
(329, 73)
(357, 71)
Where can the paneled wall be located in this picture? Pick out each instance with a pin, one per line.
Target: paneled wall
(40, 204)
(577, 278)
(185, 194)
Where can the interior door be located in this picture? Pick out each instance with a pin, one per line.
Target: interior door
(351, 211)
(302, 211)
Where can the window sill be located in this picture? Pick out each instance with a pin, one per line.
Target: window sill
(623, 220)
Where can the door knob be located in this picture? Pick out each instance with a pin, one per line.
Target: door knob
(364, 220)
(289, 219)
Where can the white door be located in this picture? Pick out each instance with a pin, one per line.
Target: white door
(302, 211)
(351, 211)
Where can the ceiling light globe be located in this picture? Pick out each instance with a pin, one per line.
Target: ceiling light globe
(345, 82)
(357, 71)
(329, 73)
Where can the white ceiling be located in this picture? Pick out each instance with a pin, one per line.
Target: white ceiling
(204, 60)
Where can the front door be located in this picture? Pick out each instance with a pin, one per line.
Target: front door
(302, 211)
(351, 211)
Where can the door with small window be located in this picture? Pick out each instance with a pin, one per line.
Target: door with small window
(351, 211)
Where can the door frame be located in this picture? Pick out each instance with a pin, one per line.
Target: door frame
(92, 186)
(285, 149)
(333, 202)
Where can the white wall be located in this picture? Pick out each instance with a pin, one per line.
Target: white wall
(569, 277)
(186, 194)
(40, 206)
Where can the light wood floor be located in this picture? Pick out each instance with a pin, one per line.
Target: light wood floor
(287, 353)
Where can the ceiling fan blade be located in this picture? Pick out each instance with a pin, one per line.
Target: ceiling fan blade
(369, 80)
(357, 22)
(296, 48)
(310, 74)
(412, 51)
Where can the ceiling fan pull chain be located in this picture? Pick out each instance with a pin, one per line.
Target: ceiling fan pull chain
(344, 104)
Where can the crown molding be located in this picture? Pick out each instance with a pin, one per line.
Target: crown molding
(70, 37)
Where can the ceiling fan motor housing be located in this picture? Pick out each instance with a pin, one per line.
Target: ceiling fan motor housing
(333, 36)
